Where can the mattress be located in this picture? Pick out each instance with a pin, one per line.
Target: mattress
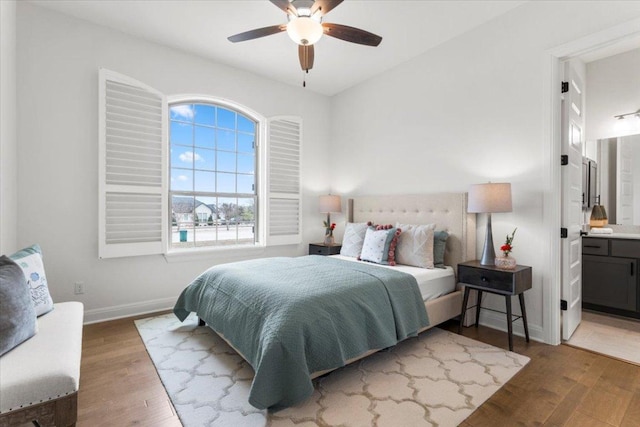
(433, 283)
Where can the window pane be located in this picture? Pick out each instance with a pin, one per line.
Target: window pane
(228, 210)
(205, 181)
(205, 159)
(246, 125)
(181, 180)
(245, 184)
(226, 119)
(246, 225)
(205, 137)
(181, 133)
(205, 114)
(226, 161)
(182, 112)
(182, 234)
(226, 182)
(246, 164)
(226, 140)
(245, 143)
(182, 157)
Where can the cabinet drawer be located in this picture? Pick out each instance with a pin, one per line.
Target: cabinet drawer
(595, 246)
(491, 279)
(625, 248)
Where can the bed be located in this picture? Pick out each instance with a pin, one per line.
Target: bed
(338, 310)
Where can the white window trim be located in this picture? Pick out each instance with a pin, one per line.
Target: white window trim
(161, 246)
(261, 136)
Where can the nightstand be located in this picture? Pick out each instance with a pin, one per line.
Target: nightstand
(488, 278)
(322, 249)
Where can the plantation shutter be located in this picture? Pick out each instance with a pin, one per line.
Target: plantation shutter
(132, 167)
(284, 195)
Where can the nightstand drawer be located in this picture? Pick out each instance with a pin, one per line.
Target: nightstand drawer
(625, 248)
(498, 280)
(321, 249)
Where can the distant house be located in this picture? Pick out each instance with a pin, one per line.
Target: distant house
(182, 209)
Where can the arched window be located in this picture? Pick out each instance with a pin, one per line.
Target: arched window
(213, 184)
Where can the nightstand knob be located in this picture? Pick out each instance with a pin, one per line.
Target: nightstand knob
(484, 279)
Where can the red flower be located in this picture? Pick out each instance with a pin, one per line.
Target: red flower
(505, 248)
(333, 226)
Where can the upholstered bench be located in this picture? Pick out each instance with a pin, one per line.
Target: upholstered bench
(39, 379)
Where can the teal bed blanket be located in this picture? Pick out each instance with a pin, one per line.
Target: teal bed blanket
(290, 317)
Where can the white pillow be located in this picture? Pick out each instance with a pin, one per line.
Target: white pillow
(30, 260)
(415, 245)
(377, 244)
(353, 239)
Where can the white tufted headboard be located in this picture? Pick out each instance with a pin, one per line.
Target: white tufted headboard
(447, 210)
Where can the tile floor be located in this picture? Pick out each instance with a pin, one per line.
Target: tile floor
(614, 336)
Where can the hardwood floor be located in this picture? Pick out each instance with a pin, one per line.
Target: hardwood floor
(561, 386)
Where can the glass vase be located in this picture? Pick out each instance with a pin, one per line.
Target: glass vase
(505, 262)
(329, 240)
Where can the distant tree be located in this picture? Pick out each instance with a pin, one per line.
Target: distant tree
(210, 220)
(196, 220)
(173, 219)
(229, 211)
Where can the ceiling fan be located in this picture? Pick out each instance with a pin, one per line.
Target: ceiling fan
(305, 27)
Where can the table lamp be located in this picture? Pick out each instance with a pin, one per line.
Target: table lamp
(489, 198)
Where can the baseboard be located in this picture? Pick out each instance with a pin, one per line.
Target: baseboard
(498, 321)
(127, 310)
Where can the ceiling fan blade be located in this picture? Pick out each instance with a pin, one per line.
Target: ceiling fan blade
(257, 33)
(351, 34)
(306, 54)
(325, 6)
(285, 6)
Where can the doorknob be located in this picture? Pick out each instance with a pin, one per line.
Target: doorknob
(583, 233)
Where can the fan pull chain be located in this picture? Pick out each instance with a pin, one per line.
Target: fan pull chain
(304, 78)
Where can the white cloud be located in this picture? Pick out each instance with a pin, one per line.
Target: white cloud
(190, 156)
(183, 178)
(183, 112)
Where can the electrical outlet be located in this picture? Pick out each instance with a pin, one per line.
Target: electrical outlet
(78, 288)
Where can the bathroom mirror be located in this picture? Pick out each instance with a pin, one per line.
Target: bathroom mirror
(619, 184)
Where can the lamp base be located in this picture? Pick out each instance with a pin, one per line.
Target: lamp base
(488, 252)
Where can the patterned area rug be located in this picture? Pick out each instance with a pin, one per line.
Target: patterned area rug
(436, 379)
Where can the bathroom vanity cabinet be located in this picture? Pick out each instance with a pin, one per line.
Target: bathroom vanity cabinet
(610, 275)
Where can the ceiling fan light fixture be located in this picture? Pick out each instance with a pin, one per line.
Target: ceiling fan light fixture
(304, 30)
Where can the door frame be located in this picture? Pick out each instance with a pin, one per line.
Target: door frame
(552, 199)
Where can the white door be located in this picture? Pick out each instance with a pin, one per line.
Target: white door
(624, 184)
(572, 125)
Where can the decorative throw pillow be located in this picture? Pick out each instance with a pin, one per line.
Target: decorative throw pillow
(380, 244)
(439, 245)
(17, 314)
(30, 260)
(353, 239)
(415, 245)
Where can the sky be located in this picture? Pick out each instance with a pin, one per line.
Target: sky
(212, 149)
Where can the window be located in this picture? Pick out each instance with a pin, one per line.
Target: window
(212, 184)
(194, 174)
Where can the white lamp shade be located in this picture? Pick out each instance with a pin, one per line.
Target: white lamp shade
(304, 30)
(330, 203)
(489, 198)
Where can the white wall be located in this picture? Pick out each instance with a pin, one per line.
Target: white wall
(613, 86)
(8, 136)
(58, 61)
(470, 111)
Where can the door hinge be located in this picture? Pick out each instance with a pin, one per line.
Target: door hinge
(564, 160)
(564, 233)
(565, 87)
(563, 305)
